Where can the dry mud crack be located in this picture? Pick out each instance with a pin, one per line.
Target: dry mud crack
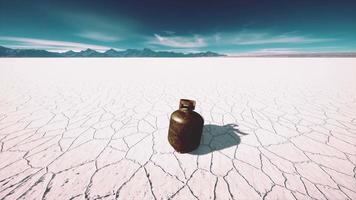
(97, 129)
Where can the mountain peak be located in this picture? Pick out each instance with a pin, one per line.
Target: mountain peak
(89, 50)
(146, 52)
(110, 50)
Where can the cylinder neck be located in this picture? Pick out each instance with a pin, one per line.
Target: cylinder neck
(186, 105)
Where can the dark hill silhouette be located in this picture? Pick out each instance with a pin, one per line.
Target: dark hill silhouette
(8, 52)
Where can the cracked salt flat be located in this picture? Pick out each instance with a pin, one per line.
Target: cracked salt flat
(97, 128)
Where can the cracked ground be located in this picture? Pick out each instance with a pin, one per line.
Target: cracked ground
(275, 128)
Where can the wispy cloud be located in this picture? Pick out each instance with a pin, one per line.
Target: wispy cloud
(181, 50)
(51, 45)
(99, 36)
(288, 51)
(179, 42)
(263, 38)
(245, 38)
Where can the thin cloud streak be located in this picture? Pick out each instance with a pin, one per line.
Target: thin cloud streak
(53, 45)
(179, 42)
(286, 51)
(264, 39)
(238, 38)
(98, 36)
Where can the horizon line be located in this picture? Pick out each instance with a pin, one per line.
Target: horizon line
(243, 54)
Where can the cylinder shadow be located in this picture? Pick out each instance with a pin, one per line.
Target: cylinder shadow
(216, 137)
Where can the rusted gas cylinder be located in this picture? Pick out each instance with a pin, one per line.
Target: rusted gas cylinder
(185, 127)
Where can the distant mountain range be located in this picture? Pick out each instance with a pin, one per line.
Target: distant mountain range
(8, 52)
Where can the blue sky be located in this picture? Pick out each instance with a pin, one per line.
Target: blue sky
(224, 26)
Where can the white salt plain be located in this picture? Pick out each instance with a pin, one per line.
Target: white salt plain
(97, 128)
